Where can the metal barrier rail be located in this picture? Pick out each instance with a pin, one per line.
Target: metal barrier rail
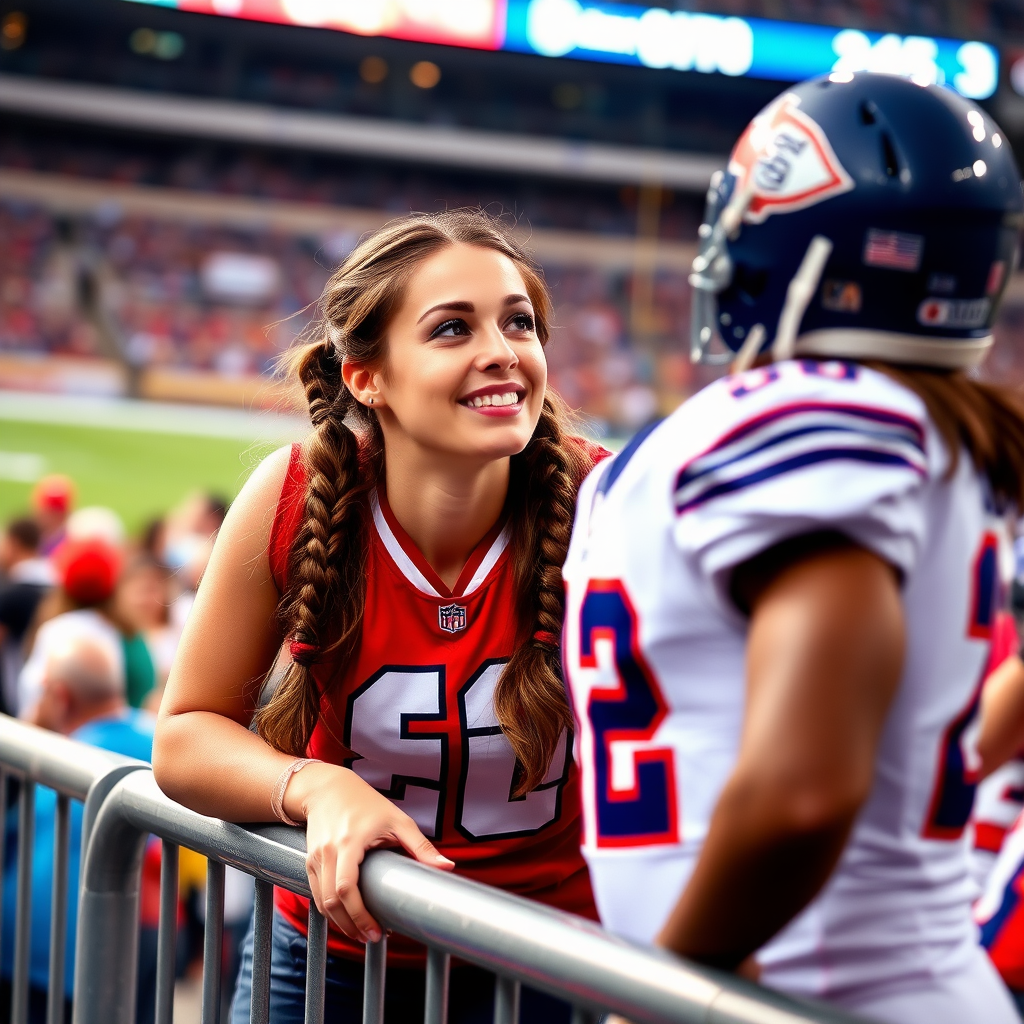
(74, 771)
(520, 941)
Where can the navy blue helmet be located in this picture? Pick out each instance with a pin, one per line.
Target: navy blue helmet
(861, 216)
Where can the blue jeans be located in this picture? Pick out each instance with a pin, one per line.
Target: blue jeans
(470, 1001)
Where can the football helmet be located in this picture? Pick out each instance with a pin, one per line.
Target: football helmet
(861, 216)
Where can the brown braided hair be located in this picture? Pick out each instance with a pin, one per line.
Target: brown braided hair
(322, 608)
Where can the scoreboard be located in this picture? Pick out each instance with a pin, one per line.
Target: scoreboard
(653, 37)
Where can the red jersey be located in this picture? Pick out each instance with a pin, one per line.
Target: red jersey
(414, 717)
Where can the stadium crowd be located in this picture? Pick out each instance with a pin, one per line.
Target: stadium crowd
(171, 309)
(308, 178)
(89, 624)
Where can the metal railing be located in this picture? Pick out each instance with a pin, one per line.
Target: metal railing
(518, 940)
(75, 771)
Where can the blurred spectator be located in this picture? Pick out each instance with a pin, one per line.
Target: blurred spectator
(189, 532)
(52, 500)
(141, 605)
(81, 696)
(189, 527)
(95, 521)
(24, 579)
(154, 538)
(87, 572)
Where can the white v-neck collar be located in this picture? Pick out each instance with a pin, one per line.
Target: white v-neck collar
(417, 574)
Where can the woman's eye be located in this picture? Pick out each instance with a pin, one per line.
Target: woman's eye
(521, 322)
(456, 328)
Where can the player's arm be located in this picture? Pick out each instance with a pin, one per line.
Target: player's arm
(824, 657)
(1002, 715)
(204, 754)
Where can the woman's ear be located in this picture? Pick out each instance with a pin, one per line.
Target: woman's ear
(362, 382)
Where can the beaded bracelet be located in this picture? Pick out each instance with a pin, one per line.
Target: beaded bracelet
(277, 797)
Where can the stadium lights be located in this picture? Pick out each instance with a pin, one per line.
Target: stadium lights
(424, 74)
(630, 34)
(373, 70)
(12, 30)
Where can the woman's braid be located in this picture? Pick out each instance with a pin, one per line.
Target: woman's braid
(322, 608)
(529, 699)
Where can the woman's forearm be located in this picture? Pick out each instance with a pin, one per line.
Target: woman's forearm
(216, 766)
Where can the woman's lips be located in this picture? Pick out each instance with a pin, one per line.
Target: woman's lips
(496, 401)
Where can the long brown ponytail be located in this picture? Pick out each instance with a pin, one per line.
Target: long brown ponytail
(322, 609)
(986, 419)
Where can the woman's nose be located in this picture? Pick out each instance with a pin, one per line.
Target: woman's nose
(496, 353)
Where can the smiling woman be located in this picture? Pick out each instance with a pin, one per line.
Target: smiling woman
(404, 562)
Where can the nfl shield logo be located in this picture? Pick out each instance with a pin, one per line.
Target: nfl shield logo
(451, 617)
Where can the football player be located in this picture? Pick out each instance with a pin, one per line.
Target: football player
(780, 599)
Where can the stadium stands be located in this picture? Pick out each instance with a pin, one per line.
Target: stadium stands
(207, 255)
(209, 261)
(209, 266)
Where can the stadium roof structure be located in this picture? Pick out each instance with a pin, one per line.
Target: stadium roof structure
(232, 121)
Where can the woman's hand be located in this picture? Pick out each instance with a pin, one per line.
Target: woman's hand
(345, 817)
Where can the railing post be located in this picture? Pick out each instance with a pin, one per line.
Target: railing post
(167, 933)
(213, 942)
(59, 911)
(436, 995)
(23, 911)
(98, 793)
(107, 947)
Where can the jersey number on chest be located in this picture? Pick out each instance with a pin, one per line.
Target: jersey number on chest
(398, 724)
(634, 781)
(956, 777)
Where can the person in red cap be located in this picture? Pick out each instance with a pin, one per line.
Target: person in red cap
(87, 574)
(53, 498)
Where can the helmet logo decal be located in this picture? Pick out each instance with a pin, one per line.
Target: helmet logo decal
(786, 162)
(841, 296)
(953, 313)
(893, 250)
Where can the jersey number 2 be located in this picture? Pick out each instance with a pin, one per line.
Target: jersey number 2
(953, 794)
(634, 782)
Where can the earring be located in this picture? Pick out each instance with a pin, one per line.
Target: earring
(371, 401)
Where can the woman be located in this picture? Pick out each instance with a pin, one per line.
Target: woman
(413, 565)
(141, 604)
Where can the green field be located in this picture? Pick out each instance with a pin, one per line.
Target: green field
(140, 474)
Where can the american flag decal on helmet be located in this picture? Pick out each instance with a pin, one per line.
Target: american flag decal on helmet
(451, 617)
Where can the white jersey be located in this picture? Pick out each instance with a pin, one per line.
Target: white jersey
(654, 652)
(997, 805)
